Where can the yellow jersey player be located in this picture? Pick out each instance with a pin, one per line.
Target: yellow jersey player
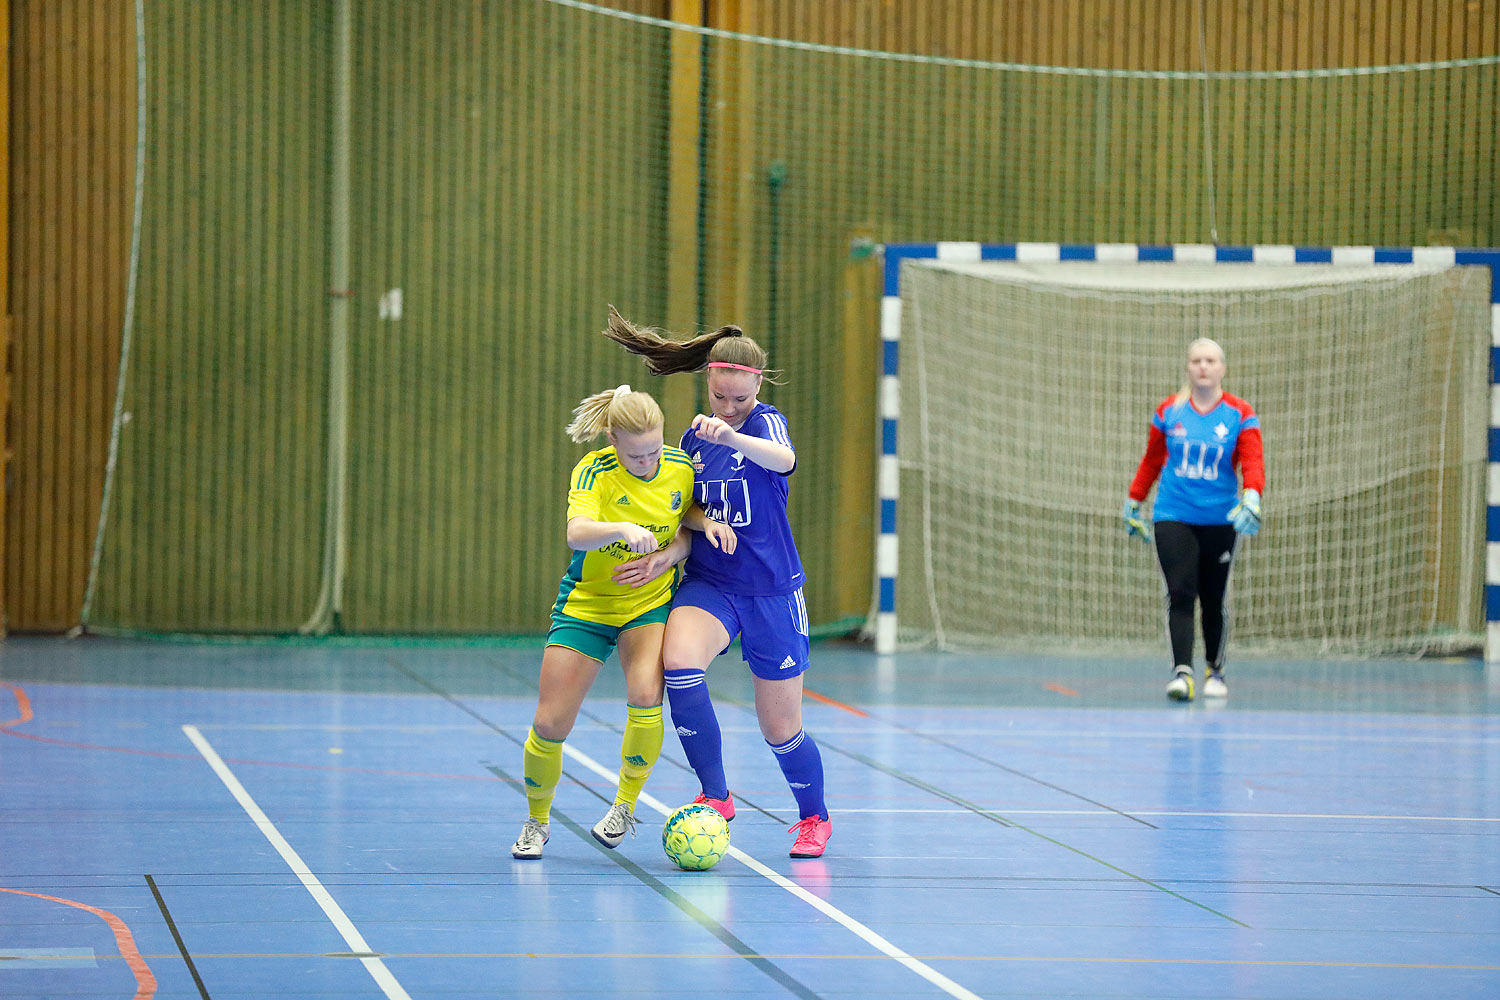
(625, 505)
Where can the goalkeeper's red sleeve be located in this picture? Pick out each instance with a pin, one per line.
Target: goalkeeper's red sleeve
(1252, 463)
(1155, 458)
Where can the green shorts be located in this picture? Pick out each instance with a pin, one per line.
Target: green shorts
(594, 640)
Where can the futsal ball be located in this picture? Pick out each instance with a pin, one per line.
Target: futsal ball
(695, 837)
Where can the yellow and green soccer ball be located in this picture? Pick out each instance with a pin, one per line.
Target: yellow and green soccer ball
(695, 837)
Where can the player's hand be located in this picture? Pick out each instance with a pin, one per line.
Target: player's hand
(711, 429)
(1135, 525)
(637, 538)
(639, 572)
(721, 536)
(1246, 514)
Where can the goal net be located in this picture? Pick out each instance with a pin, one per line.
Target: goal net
(1026, 394)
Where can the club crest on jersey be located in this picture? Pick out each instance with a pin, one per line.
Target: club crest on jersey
(1178, 430)
(676, 499)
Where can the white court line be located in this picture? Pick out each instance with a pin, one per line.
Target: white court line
(922, 969)
(1200, 814)
(382, 976)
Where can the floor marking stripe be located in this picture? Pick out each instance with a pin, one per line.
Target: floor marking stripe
(834, 703)
(1004, 819)
(187, 958)
(1188, 813)
(145, 982)
(865, 956)
(871, 938)
(382, 976)
(23, 705)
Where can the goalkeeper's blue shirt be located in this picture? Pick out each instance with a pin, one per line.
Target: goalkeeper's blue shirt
(1196, 454)
(752, 500)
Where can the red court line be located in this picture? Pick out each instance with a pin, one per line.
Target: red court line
(23, 703)
(145, 982)
(26, 716)
(171, 755)
(836, 704)
(1052, 686)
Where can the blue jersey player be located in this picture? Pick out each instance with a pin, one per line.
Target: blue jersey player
(1198, 438)
(742, 456)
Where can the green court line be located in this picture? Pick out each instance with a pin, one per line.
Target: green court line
(1007, 821)
(703, 920)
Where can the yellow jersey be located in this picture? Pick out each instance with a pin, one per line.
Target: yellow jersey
(602, 489)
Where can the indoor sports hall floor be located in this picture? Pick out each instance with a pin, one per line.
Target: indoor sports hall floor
(320, 821)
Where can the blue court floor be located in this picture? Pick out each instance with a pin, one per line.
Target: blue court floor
(334, 821)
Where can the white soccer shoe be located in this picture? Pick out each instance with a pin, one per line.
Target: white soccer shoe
(1181, 686)
(619, 821)
(528, 846)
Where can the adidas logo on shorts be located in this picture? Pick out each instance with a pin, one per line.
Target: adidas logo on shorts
(788, 663)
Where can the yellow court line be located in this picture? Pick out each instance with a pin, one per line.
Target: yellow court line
(803, 956)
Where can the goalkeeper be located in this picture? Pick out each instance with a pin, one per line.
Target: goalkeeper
(1197, 438)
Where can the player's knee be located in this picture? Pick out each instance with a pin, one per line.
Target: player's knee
(780, 727)
(644, 695)
(677, 657)
(551, 728)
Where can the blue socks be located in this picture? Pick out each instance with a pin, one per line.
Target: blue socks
(703, 745)
(698, 729)
(803, 767)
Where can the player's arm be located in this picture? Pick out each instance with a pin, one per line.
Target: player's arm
(773, 456)
(639, 572)
(719, 535)
(1145, 475)
(1151, 464)
(1248, 455)
(586, 534)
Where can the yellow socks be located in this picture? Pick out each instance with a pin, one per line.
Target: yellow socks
(543, 769)
(639, 750)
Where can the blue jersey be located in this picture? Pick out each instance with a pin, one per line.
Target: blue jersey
(734, 490)
(1198, 481)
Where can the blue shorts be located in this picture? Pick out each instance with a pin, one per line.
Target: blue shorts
(772, 630)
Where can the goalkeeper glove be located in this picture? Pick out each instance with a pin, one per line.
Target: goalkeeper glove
(1134, 525)
(1246, 514)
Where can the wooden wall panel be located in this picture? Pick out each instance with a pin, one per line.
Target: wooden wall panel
(5, 334)
(1129, 34)
(71, 175)
(72, 147)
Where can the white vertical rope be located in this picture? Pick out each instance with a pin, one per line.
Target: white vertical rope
(127, 331)
(326, 614)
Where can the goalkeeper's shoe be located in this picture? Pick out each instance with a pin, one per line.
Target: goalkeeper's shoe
(1181, 686)
(616, 823)
(724, 806)
(1213, 684)
(528, 846)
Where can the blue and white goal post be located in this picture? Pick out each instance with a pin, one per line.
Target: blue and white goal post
(886, 562)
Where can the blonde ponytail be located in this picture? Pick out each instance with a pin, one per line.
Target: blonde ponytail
(617, 409)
